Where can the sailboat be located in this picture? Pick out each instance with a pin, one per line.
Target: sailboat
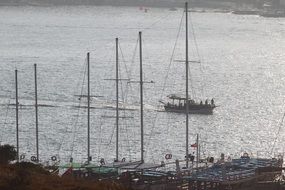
(139, 165)
(34, 159)
(104, 170)
(180, 104)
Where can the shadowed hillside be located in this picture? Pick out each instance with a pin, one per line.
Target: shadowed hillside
(27, 176)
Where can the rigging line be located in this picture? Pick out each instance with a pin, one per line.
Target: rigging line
(167, 73)
(78, 111)
(120, 73)
(121, 87)
(191, 83)
(122, 95)
(129, 86)
(134, 56)
(77, 86)
(126, 124)
(77, 114)
(156, 22)
(124, 61)
(167, 129)
(279, 129)
(20, 115)
(100, 135)
(125, 105)
(6, 115)
(190, 74)
(46, 141)
(120, 76)
(113, 130)
(76, 129)
(112, 134)
(102, 120)
(199, 56)
(128, 140)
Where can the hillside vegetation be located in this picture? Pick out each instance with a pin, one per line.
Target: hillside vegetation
(29, 176)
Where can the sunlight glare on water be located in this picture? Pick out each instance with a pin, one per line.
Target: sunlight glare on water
(242, 68)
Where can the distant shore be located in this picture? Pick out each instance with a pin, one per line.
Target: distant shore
(148, 3)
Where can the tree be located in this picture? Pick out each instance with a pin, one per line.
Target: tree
(7, 153)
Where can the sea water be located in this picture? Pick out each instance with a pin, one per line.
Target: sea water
(240, 64)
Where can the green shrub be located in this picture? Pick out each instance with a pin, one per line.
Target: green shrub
(7, 154)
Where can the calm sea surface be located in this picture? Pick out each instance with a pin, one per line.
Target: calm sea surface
(242, 67)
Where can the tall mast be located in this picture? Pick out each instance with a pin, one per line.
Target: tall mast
(88, 110)
(141, 95)
(117, 101)
(187, 101)
(17, 113)
(36, 108)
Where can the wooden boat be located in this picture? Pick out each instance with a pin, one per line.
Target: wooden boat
(179, 104)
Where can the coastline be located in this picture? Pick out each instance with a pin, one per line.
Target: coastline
(157, 4)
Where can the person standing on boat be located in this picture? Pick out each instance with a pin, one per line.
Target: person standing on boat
(212, 101)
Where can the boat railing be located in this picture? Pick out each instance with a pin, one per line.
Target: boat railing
(239, 175)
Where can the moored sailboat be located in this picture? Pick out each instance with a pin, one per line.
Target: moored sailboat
(111, 169)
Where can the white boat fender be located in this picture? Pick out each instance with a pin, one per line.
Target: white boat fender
(53, 158)
(22, 157)
(168, 156)
(33, 158)
(102, 161)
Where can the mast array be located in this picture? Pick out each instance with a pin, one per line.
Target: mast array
(88, 106)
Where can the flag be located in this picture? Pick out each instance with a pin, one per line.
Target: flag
(68, 172)
(194, 145)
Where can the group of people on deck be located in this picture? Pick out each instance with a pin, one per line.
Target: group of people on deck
(201, 102)
(206, 102)
(192, 102)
